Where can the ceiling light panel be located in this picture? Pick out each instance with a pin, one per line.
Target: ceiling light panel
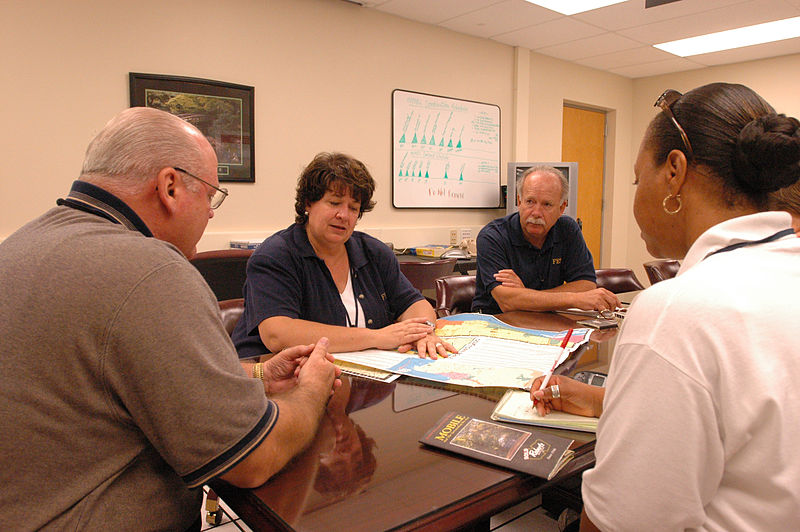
(737, 38)
(574, 6)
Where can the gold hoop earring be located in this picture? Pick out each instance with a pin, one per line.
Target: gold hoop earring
(677, 198)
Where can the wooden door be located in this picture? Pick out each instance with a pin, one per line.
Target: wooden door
(583, 140)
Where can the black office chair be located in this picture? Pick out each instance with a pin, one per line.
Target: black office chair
(454, 294)
(618, 280)
(224, 270)
(661, 270)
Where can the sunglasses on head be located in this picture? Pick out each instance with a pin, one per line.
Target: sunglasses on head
(665, 103)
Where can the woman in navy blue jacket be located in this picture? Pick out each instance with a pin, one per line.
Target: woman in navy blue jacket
(319, 277)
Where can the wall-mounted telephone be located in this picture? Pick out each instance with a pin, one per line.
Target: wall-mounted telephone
(465, 250)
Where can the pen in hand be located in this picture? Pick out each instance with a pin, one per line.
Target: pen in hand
(549, 374)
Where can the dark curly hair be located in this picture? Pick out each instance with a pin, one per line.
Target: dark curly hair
(333, 171)
(737, 137)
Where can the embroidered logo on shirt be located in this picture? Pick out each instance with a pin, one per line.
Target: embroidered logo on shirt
(557, 261)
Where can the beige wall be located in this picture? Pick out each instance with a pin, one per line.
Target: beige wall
(776, 79)
(323, 71)
(554, 83)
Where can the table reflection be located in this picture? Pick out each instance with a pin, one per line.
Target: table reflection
(366, 470)
(349, 464)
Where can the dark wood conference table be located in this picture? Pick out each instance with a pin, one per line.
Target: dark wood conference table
(366, 470)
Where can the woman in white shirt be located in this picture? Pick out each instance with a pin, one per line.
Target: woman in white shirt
(701, 408)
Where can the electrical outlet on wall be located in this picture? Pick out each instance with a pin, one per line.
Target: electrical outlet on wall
(464, 234)
(453, 237)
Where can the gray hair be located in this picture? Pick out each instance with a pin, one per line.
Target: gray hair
(136, 144)
(546, 170)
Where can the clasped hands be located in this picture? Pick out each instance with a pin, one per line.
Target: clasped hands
(289, 366)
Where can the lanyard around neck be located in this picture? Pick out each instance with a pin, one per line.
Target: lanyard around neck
(776, 236)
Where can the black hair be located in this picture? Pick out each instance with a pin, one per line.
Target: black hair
(737, 137)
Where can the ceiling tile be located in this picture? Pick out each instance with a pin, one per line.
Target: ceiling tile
(430, 12)
(633, 13)
(622, 58)
(499, 18)
(677, 64)
(591, 46)
(550, 33)
(610, 38)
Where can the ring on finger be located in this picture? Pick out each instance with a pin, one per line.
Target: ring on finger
(438, 345)
(554, 389)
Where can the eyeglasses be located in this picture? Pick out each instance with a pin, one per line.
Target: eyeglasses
(665, 102)
(218, 197)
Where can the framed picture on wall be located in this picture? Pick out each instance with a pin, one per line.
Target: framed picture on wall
(222, 111)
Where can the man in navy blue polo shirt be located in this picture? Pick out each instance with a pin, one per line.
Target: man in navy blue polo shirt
(536, 259)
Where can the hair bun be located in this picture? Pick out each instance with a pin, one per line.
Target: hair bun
(768, 153)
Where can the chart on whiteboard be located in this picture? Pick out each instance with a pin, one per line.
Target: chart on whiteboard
(445, 152)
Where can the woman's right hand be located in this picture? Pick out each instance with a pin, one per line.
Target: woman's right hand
(575, 397)
(403, 332)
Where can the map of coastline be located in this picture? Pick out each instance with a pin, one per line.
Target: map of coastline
(488, 326)
(490, 353)
(450, 371)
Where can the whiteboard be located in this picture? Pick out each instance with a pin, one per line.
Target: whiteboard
(445, 152)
